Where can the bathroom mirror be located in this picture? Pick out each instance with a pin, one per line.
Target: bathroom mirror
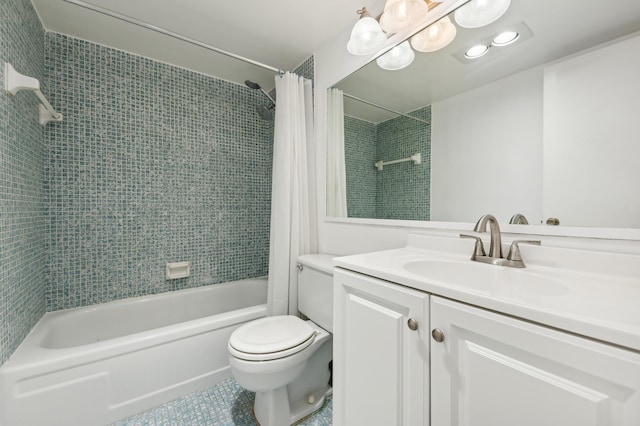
(508, 132)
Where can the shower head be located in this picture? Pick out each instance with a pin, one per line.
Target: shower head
(255, 86)
(266, 112)
(252, 85)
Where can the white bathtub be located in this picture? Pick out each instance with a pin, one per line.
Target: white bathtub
(95, 365)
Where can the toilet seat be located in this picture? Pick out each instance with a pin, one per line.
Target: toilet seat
(271, 338)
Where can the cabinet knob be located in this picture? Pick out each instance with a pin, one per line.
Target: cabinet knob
(413, 324)
(437, 335)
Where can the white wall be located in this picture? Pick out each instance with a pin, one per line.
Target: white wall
(468, 179)
(591, 144)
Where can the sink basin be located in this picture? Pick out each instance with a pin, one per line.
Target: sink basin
(496, 280)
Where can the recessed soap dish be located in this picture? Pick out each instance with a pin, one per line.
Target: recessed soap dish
(177, 270)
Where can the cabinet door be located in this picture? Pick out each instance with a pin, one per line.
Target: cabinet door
(495, 370)
(380, 364)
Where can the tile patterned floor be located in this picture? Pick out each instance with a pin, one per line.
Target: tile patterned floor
(225, 404)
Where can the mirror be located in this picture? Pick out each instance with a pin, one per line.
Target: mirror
(543, 127)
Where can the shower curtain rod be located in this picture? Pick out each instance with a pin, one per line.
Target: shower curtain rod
(385, 108)
(172, 34)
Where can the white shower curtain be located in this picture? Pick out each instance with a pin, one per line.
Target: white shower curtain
(336, 170)
(293, 225)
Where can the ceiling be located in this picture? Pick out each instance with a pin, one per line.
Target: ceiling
(282, 33)
(558, 29)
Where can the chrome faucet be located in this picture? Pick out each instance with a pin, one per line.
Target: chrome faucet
(495, 248)
(513, 259)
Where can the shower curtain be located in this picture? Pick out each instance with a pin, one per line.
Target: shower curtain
(293, 226)
(336, 170)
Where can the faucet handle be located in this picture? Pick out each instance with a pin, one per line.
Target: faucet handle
(479, 248)
(514, 250)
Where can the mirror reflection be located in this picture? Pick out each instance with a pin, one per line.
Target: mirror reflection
(542, 127)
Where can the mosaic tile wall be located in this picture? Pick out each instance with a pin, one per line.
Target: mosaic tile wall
(360, 157)
(403, 190)
(153, 164)
(306, 69)
(400, 191)
(22, 155)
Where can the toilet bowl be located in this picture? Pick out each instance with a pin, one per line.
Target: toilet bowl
(284, 359)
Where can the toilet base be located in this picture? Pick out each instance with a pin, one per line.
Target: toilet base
(272, 408)
(287, 404)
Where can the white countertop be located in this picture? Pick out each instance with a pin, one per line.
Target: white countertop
(590, 293)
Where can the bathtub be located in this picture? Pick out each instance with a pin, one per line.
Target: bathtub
(98, 364)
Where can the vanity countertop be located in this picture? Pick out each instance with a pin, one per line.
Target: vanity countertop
(590, 293)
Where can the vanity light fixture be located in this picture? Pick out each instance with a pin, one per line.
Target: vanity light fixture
(399, 15)
(366, 37)
(478, 13)
(397, 58)
(505, 38)
(435, 36)
(476, 51)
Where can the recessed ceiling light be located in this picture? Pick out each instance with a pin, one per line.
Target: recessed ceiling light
(505, 38)
(476, 51)
(491, 44)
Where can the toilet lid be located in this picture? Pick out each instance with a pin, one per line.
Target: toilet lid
(271, 334)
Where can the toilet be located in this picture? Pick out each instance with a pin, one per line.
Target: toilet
(284, 359)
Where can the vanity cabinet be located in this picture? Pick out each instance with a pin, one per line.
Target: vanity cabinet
(381, 353)
(487, 368)
(492, 369)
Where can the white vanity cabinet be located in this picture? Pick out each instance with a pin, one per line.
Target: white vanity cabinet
(381, 365)
(490, 369)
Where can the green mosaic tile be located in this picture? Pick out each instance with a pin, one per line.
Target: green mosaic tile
(360, 156)
(400, 191)
(153, 164)
(22, 198)
(403, 190)
(224, 404)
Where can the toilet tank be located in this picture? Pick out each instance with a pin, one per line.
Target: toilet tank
(315, 288)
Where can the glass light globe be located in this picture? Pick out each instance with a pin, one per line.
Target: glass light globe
(435, 36)
(366, 37)
(478, 13)
(400, 15)
(397, 58)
